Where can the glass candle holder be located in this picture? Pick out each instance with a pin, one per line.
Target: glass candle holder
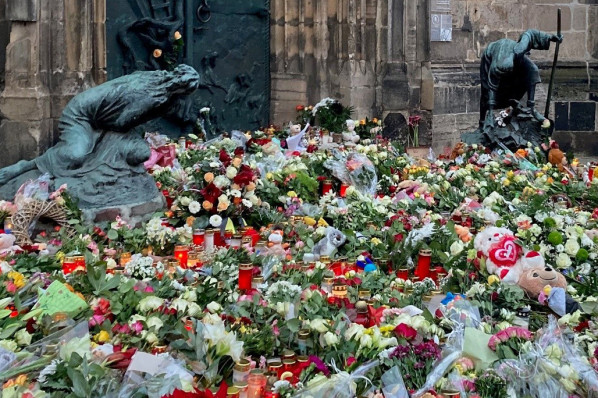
(124, 258)
(362, 317)
(275, 367)
(302, 338)
(241, 371)
(181, 253)
(327, 284)
(236, 240)
(192, 260)
(233, 392)
(289, 365)
(79, 263)
(260, 247)
(364, 294)
(422, 270)
(326, 187)
(256, 281)
(199, 237)
(209, 241)
(8, 225)
(256, 385)
(242, 386)
(68, 264)
(343, 190)
(245, 276)
(302, 363)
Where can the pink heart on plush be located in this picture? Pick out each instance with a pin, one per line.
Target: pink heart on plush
(505, 252)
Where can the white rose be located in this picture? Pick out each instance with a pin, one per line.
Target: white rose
(571, 247)
(149, 303)
(154, 322)
(563, 261)
(214, 307)
(194, 310)
(319, 325)
(179, 304)
(330, 339)
(366, 341)
(231, 172)
(456, 248)
(185, 200)
(22, 337)
(151, 338)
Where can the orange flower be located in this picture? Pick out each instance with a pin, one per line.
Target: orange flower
(250, 186)
(237, 162)
(375, 120)
(207, 205)
(190, 221)
(177, 35)
(549, 180)
(236, 201)
(209, 177)
(362, 122)
(521, 153)
(157, 53)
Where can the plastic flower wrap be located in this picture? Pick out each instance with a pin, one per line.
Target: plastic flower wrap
(354, 169)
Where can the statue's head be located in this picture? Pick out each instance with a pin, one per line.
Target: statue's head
(184, 79)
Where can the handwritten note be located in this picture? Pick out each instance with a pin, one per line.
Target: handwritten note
(58, 298)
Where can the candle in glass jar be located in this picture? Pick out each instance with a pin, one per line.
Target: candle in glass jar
(256, 385)
(403, 273)
(242, 386)
(8, 225)
(302, 338)
(275, 367)
(422, 270)
(181, 253)
(192, 260)
(302, 363)
(125, 258)
(326, 187)
(199, 237)
(241, 371)
(245, 276)
(343, 190)
(256, 281)
(68, 264)
(79, 263)
(235, 241)
(209, 240)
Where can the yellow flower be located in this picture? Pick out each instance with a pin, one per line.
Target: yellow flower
(322, 223)
(362, 122)
(17, 278)
(292, 194)
(376, 241)
(506, 183)
(269, 176)
(492, 279)
(177, 35)
(157, 53)
(60, 256)
(21, 380)
(510, 174)
(416, 194)
(102, 337)
(309, 221)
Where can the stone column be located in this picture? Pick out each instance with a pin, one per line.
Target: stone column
(50, 58)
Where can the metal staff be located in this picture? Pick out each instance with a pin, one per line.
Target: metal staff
(556, 58)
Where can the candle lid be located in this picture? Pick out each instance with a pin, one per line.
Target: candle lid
(425, 252)
(179, 248)
(288, 361)
(243, 365)
(233, 390)
(304, 333)
(302, 358)
(361, 306)
(241, 385)
(246, 267)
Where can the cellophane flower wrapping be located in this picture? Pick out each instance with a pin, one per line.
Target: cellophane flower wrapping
(393, 384)
(339, 385)
(354, 169)
(33, 190)
(551, 367)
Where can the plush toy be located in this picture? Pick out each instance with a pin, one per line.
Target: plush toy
(325, 247)
(458, 150)
(504, 257)
(549, 287)
(350, 137)
(296, 137)
(275, 245)
(7, 244)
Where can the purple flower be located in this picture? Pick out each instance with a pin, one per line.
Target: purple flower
(320, 365)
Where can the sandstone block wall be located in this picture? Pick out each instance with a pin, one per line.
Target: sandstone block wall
(476, 23)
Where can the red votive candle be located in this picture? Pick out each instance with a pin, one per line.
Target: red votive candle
(326, 187)
(245, 276)
(68, 265)
(403, 273)
(199, 237)
(423, 264)
(343, 191)
(169, 199)
(181, 253)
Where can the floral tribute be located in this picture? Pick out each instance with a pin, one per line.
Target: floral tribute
(222, 293)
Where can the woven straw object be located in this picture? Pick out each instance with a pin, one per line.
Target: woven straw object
(32, 211)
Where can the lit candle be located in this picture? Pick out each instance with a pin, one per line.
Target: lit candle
(199, 237)
(256, 385)
(192, 260)
(79, 263)
(326, 187)
(245, 276)
(343, 191)
(423, 264)
(181, 253)
(125, 258)
(8, 225)
(68, 264)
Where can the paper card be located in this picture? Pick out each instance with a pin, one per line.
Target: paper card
(146, 363)
(58, 298)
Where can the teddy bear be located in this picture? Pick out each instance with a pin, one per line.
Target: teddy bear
(7, 244)
(503, 256)
(549, 287)
(295, 141)
(332, 240)
(275, 247)
(350, 137)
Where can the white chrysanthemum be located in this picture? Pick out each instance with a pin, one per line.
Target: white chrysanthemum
(215, 221)
(194, 207)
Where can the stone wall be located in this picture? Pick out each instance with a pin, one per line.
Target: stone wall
(455, 66)
(52, 55)
(370, 54)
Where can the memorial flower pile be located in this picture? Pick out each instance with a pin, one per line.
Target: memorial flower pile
(336, 271)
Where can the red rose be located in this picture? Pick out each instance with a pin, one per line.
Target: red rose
(399, 237)
(405, 331)
(239, 151)
(224, 158)
(299, 108)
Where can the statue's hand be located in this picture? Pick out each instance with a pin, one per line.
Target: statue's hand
(557, 38)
